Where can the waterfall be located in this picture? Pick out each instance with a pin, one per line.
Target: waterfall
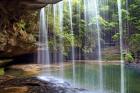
(72, 43)
(60, 11)
(121, 45)
(92, 41)
(54, 36)
(99, 45)
(58, 47)
(43, 50)
(94, 30)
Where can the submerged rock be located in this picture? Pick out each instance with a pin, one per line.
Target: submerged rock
(24, 70)
(34, 85)
(134, 66)
(27, 70)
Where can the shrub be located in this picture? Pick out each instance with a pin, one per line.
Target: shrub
(129, 58)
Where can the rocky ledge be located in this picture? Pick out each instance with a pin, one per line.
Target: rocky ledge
(25, 4)
(33, 85)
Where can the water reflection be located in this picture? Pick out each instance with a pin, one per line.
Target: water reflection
(89, 78)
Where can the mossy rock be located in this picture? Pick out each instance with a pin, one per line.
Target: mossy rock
(35, 85)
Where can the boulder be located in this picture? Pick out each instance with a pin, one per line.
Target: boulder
(35, 85)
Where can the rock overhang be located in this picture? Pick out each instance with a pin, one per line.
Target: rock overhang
(25, 4)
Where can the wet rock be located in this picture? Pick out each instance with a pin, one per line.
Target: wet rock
(5, 62)
(5, 78)
(34, 85)
(15, 90)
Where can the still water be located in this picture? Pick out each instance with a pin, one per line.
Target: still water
(87, 77)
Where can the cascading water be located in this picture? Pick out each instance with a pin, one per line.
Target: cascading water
(121, 45)
(43, 50)
(72, 43)
(92, 13)
(54, 37)
(58, 47)
(93, 32)
(60, 11)
(99, 46)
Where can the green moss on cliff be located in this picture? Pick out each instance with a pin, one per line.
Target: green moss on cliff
(18, 34)
(1, 71)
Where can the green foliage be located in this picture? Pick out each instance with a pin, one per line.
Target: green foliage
(134, 42)
(21, 24)
(104, 8)
(106, 25)
(134, 9)
(116, 36)
(108, 21)
(128, 57)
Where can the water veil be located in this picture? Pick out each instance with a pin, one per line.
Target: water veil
(82, 63)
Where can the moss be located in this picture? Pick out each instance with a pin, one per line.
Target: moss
(1, 71)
